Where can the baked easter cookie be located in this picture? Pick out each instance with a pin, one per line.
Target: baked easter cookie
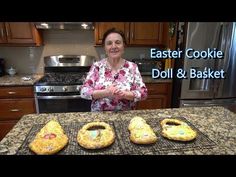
(175, 129)
(141, 132)
(49, 140)
(96, 135)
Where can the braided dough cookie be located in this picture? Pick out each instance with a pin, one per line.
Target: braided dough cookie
(96, 135)
(141, 132)
(49, 140)
(175, 129)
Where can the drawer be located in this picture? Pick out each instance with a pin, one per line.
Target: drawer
(156, 89)
(14, 109)
(16, 92)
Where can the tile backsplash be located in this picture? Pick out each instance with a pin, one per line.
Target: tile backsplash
(29, 60)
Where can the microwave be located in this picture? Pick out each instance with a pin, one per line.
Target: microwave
(145, 66)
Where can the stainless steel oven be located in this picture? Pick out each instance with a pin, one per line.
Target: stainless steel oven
(61, 102)
(59, 90)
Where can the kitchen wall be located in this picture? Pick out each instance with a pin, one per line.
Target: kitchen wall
(28, 60)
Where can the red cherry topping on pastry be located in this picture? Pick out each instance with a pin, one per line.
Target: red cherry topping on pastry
(50, 136)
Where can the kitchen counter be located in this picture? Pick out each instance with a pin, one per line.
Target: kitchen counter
(8, 80)
(217, 123)
(149, 79)
(18, 81)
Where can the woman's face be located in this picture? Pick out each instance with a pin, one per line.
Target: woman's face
(114, 46)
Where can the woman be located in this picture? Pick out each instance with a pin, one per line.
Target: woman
(113, 83)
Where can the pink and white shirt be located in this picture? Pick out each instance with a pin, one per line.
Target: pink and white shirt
(127, 78)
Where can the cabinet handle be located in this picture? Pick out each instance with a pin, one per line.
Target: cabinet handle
(132, 35)
(127, 36)
(15, 110)
(11, 93)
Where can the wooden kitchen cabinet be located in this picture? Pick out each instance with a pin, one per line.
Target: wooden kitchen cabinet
(136, 33)
(3, 38)
(5, 127)
(148, 33)
(19, 34)
(159, 96)
(14, 103)
(102, 27)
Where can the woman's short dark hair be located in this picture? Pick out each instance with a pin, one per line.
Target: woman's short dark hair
(113, 30)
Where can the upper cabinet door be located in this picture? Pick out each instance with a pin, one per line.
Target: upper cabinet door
(19, 33)
(3, 38)
(147, 33)
(102, 27)
(22, 33)
(137, 33)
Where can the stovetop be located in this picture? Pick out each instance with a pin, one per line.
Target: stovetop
(57, 79)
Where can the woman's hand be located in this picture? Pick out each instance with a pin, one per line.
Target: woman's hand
(115, 92)
(124, 95)
(112, 90)
(120, 94)
(108, 92)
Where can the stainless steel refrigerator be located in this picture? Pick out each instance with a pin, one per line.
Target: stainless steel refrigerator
(206, 92)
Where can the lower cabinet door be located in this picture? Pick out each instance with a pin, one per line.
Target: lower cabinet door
(12, 109)
(153, 102)
(5, 127)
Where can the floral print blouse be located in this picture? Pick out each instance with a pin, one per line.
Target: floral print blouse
(127, 78)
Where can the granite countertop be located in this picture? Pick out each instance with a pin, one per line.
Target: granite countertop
(217, 123)
(149, 79)
(8, 80)
(17, 80)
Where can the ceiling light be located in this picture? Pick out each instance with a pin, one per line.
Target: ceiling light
(84, 25)
(45, 25)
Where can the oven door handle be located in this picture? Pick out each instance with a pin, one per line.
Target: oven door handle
(59, 97)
